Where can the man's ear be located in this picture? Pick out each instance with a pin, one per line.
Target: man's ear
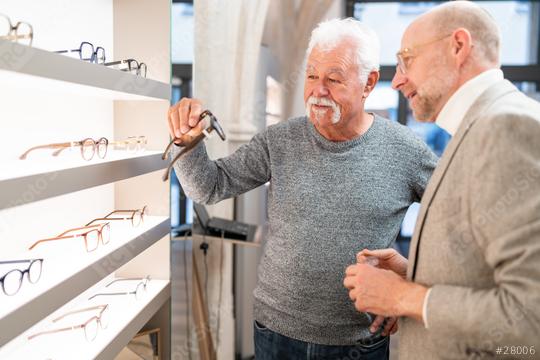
(372, 80)
(461, 45)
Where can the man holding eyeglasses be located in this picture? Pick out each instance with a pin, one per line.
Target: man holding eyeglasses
(471, 286)
(340, 178)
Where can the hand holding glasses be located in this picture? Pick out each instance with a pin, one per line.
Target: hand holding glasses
(12, 280)
(21, 32)
(88, 146)
(90, 326)
(140, 288)
(92, 235)
(188, 142)
(88, 53)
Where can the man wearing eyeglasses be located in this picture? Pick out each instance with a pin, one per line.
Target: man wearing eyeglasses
(471, 286)
(340, 179)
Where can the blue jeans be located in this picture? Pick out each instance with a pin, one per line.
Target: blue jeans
(270, 345)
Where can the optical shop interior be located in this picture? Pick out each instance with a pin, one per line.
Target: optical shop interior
(269, 179)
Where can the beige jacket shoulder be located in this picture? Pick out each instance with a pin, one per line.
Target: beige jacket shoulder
(477, 238)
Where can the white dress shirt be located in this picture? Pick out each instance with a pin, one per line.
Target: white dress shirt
(452, 115)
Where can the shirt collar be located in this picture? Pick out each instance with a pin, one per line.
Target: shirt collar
(460, 102)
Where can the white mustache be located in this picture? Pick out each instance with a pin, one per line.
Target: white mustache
(312, 100)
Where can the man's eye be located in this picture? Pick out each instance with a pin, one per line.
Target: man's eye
(312, 77)
(335, 81)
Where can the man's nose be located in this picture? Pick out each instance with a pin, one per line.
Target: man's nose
(320, 90)
(398, 80)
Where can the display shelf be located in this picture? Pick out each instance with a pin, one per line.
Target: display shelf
(25, 181)
(28, 67)
(127, 316)
(68, 271)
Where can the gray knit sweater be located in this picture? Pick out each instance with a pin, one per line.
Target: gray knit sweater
(327, 201)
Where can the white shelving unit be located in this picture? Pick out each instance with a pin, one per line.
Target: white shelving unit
(44, 69)
(66, 177)
(48, 98)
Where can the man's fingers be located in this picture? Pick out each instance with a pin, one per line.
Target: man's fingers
(390, 323)
(351, 270)
(352, 294)
(184, 109)
(195, 113)
(174, 121)
(376, 324)
(348, 282)
(394, 328)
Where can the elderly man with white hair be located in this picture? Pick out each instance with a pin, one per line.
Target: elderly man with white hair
(340, 179)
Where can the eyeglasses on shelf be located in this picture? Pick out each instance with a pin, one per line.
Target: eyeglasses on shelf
(90, 326)
(130, 65)
(138, 292)
(89, 147)
(22, 32)
(131, 144)
(187, 142)
(92, 235)
(12, 280)
(87, 52)
(135, 216)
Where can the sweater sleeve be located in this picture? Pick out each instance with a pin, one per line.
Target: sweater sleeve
(208, 182)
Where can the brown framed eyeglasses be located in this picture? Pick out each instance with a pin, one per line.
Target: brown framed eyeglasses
(92, 235)
(405, 56)
(90, 326)
(188, 142)
(89, 147)
(136, 216)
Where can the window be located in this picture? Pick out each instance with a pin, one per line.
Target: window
(520, 33)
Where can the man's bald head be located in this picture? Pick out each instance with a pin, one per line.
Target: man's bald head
(446, 18)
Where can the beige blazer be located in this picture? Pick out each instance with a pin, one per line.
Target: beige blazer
(477, 237)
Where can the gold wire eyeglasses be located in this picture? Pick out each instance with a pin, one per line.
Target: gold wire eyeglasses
(140, 288)
(188, 142)
(405, 56)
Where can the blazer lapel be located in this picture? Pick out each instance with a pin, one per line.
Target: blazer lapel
(477, 109)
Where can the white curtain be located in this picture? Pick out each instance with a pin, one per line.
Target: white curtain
(227, 44)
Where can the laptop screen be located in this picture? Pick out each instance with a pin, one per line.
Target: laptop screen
(202, 214)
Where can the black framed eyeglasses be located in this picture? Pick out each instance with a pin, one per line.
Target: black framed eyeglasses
(189, 142)
(130, 65)
(22, 32)
(87, 52)
(12, 280)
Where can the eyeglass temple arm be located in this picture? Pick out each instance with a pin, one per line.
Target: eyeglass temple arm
(98, 219)
(187, 148)
(18, 261)
(98, 307)
(114, 293)
(128, 279)
(55, 331)
(87, 227)
(48, 146)
(54, 239)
